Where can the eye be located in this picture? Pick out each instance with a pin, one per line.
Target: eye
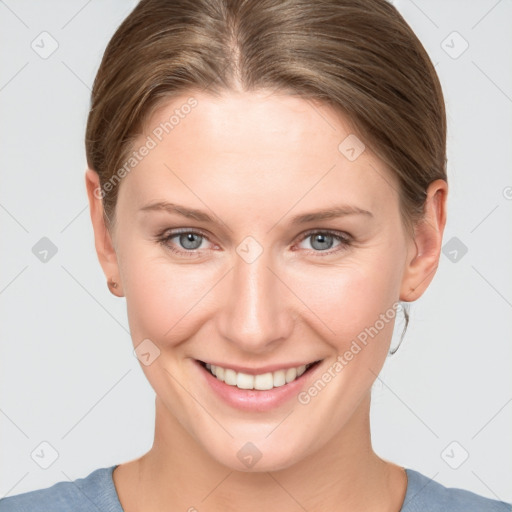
(189, 241)
(322, 241)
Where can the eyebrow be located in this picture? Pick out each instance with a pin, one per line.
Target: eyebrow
(202, 216)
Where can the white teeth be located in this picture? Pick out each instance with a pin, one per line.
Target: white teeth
(244, 381)
(230, 377)
(279, 378)
(291, 374)
(219, 373)
(264, 381)
(261, 382)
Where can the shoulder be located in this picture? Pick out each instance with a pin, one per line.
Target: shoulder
(426, 495)
(93, 493)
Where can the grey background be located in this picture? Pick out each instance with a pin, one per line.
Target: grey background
(68, 375)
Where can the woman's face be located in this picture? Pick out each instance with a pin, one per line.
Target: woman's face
(252, 282)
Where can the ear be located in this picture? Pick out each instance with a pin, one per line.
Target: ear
(425, 248)
(102, 236)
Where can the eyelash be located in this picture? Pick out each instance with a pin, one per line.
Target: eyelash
(344, 239)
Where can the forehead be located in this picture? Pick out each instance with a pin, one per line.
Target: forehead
(263, 120)
(255, 146)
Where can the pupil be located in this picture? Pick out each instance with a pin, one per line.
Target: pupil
(188, 241)
(322, 239)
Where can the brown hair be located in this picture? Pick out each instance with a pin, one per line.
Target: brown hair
(358, 56)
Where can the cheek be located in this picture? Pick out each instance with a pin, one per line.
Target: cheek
(163, 298)
(350, 297)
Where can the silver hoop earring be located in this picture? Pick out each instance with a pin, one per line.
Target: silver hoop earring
(406, 320)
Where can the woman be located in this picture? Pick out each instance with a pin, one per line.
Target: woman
(267, 184)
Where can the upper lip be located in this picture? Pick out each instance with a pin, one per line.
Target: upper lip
(261, 369)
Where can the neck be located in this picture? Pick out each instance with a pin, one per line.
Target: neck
(177, 474)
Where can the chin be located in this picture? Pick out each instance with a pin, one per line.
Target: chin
(261, 455)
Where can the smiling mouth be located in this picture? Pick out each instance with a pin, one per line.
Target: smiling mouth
(261, 382)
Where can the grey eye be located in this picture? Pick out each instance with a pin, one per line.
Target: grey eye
(190, 241)
(321, 241)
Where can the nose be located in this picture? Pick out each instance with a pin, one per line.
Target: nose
(256, 313)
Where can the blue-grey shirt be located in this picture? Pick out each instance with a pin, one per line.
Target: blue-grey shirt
(97, 493)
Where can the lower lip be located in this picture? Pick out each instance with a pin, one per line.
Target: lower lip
(254, 399)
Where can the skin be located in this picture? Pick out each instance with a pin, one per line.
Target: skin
(253, 161)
